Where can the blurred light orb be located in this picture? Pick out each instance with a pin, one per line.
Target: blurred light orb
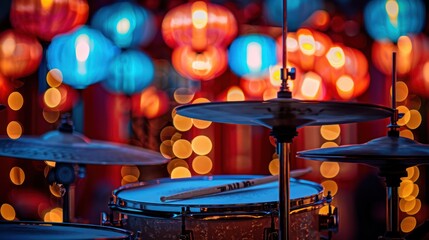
(202, 164)
(126, 24)
(129, 72)
(82, 56)
(20, 54)
(251, 55)
(54, 77)
(15, 101)
(199, 65)
(14, 130)
(7, 212)
(47, 19)
(298, 11)
(393, 18)
(150, 103)
(199, 25)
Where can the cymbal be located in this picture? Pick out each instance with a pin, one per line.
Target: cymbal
(284, 112)
(75, 148)
(380, 152)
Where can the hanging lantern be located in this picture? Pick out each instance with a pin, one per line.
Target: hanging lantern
(411, 51)
(82, 56)
(390, 19)
(251, 55)
(199, 24)
(20, 54)
(47, 19)
(126, 24)
(204, 65)
(298, 11)
(129, 73)
(150, 103)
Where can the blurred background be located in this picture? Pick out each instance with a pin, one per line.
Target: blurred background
(121, 67)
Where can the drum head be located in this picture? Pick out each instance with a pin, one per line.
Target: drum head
(55, 231)
(146, 196)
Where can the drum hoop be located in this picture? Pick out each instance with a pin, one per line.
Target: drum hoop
(129, 234)
(138, 207)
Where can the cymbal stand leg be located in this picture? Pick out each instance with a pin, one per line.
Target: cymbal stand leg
(66, 203)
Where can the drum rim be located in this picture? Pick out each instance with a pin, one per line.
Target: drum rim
(127, 234)
(264, 207)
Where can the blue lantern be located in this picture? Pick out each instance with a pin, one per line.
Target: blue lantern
(126, 24)
(297, 12)
(252, 55)
(82, 56)
(394, 18)
(130, 73)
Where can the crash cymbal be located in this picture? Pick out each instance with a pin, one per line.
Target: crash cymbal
(75, 148)
(380, 152)
(284, 112)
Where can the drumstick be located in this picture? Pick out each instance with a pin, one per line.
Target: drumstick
(232, 186)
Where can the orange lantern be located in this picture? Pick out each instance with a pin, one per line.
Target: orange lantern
(204, 65)
(46, 19)
(150, 103)
(199, 24)
(20, 54)
(410, 52)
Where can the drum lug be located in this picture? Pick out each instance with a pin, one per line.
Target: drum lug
(185, 234)
(329, 222)
(271, 233)
(109, 220)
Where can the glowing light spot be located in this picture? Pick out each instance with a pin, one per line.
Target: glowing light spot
(336, 57)
(235, 94)
(54, 78)
(55, 190)
(129, 179)
(306, 41)
(180, 172)
(201, 145)
(166, 149)
(15, 101)
(201, 100)
(330, 185)
(50, 163)
(275, 75)
(82, 48)
(329, 169)
(17, 175)
(274, 166)
(330, 132)
(182, 123)
(201, 124)
(199, 15)
(51, 116)
(311, 85)
(130, 170)
(177, 162)
(329, 144)
(414, 194)
(325, 210)
(345, 87)
(392, 8)
(405, 188)
(404, 120)
(46, 4)
(182, 148)
(14, 130)
(415, 119)
(52, 97)
(406, 205)
(406, 134)
(167, 133)
(123, 26)
(202, 164)
(254, 53)
(183, 95)
(7, 212)
(416, 208)
(54, 215)
(415, 173)
(401, 91)
(405, 45)
(408, 224)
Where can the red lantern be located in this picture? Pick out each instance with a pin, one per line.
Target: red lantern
(20, 54)
(46, 19)
(150, 103)
(204, 65)
(199, 24)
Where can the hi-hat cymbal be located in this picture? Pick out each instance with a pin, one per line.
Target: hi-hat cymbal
(284, 112)
(380, 152)
(75, 148)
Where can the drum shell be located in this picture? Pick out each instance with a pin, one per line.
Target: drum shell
(228, 222)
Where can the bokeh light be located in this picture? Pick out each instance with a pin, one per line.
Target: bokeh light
(17, 175)
(408, 224)
(15, 101)
(330, 185)
(201, 145)
(182, 148)
(330, 132)
(202, 164)
(54, 77)
(329, 169)
(7, 212)
(180, 172)
(14, 130)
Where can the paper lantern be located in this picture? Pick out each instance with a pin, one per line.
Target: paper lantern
(150, 103)
(126, 24)
(20, 54)
(199, 24)
(251, 55)
(83, 56)
(297, 12)
(47, 19)
(204, 65)
(394, 18)
(129, 73)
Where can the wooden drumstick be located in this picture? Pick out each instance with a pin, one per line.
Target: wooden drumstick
(232, 186)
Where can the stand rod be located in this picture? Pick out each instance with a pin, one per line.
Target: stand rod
(284, 150)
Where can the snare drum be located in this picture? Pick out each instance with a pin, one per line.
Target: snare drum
(54, 231)
(248, 213)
